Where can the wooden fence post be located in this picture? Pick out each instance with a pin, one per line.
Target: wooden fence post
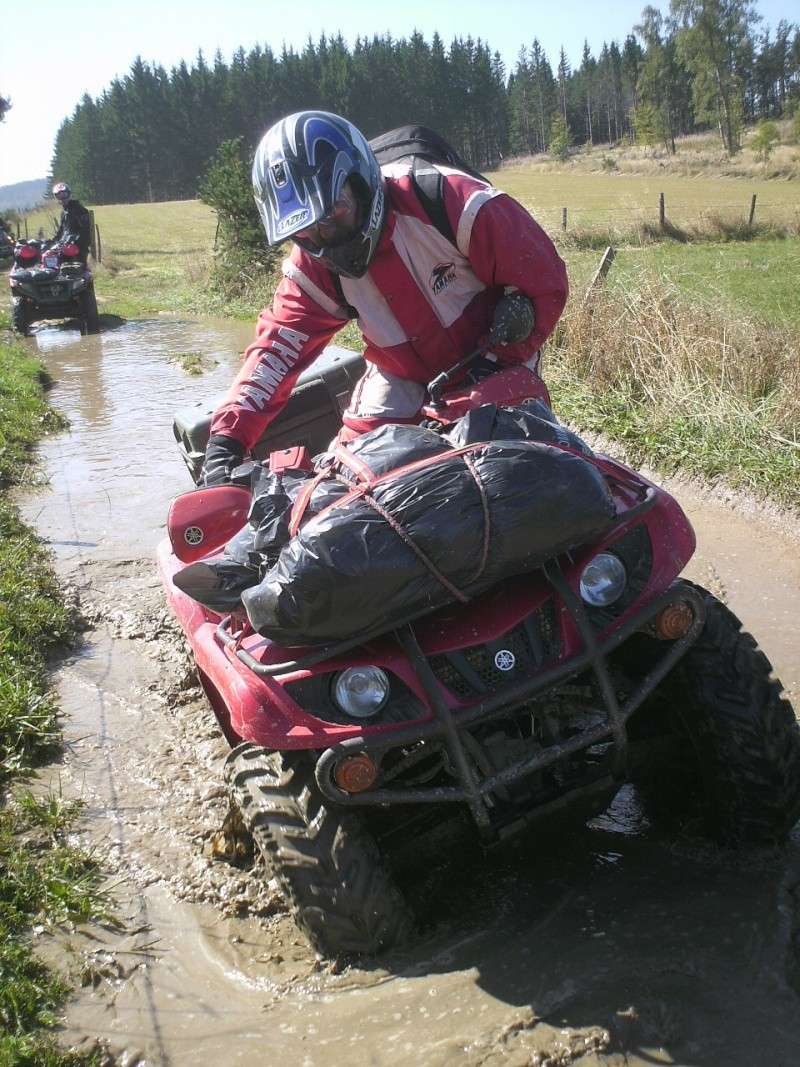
(662, 215)
(99, 244)
(92, 237)
(564, 219)
(752, 212)
(601, 272)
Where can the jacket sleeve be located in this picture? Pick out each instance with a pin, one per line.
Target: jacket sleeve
(289, 337)
(507, 247)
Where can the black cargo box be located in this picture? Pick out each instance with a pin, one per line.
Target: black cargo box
(312, 416)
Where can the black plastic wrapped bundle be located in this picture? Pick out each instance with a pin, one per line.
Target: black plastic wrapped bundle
(416, 539)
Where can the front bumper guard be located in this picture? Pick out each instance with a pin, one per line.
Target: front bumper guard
(447, 726)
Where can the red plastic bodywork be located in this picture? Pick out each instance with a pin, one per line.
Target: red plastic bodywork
(200, 522)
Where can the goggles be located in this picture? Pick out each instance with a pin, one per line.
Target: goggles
(335, 228)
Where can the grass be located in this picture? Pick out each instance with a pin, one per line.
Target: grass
(629, 200)
(683, 385)
(42, 880)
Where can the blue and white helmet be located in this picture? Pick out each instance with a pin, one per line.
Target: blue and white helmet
(299, 171)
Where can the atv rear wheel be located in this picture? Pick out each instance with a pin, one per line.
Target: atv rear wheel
(734, 761)
(90, 317)
(327, 864)
(19, 317)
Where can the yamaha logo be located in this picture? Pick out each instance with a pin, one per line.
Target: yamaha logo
(505, 660)
(193, 535)
(441, 276)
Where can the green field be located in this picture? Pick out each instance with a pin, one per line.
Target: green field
(625, 199)
(157, 256)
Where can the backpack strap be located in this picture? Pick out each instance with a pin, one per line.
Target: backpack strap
(350, 311)
(427, 182)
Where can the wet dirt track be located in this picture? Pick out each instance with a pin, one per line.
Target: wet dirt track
(615, 946)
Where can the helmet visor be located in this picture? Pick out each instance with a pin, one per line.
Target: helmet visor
(336, 228)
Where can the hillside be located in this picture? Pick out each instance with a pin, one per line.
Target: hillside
(22, 195)
(696, 155)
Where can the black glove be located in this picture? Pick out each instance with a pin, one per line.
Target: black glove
(513, 320)
(222, 455)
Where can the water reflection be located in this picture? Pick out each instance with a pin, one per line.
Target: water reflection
(117, 462)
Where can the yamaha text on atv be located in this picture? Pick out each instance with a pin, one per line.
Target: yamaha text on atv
(541, 695)
(51, 283)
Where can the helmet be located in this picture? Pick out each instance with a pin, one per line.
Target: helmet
(62, 192)
(299, 173)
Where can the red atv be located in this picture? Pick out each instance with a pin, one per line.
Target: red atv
(51, 282)
(542, 695)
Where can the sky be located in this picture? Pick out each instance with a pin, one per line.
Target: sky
(80, 48)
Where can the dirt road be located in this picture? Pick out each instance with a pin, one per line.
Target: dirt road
(616, 946)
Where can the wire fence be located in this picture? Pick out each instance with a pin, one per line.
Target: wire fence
(674, 212)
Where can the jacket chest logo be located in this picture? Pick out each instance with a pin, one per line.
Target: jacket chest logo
(441, 276)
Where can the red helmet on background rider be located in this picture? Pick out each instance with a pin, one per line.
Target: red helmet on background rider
(62, 192)
(316, 180)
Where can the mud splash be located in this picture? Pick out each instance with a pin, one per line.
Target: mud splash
(613, 946)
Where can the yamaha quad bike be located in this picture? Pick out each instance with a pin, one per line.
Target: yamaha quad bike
(542, 695)
(51, 282)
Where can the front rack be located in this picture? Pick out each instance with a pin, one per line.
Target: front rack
(447, 726)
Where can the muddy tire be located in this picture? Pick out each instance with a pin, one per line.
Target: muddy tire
(90, 317)
(19, 318)
(733, 764)
(328, 866)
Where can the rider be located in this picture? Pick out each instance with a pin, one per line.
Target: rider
(364, 245)
(75, 221)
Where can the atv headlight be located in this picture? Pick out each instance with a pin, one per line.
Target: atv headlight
(603, 580)
(361, 691)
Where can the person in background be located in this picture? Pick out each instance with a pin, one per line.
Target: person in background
(363, 245)
(75, 221)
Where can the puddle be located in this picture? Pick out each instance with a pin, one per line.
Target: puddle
(611, 945)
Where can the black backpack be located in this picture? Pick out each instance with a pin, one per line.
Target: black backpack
(421, 145)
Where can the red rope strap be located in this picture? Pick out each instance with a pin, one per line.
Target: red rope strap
(406, 538)
(486, 516)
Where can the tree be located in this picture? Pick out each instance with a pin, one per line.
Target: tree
(588, 74)
(660, 77)
(5, 105)
(559, 137)
(713, 36)
(764, 140)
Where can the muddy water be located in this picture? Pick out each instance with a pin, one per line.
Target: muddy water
(614, 946)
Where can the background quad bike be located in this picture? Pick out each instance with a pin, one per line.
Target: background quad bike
(27, 309)
(718, 752)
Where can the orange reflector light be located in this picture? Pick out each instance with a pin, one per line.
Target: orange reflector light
(674, 621)
(356, 774)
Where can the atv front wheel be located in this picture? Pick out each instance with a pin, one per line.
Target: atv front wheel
(19, 318)
(90, 318)
(734, 760)
(327, 864)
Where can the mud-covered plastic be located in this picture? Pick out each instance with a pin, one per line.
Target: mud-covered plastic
(425, 532)
(312, 415)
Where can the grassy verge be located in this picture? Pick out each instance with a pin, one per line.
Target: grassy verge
(42, 881)
(684, 385)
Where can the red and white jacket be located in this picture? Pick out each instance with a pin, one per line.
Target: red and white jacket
(422, 305)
